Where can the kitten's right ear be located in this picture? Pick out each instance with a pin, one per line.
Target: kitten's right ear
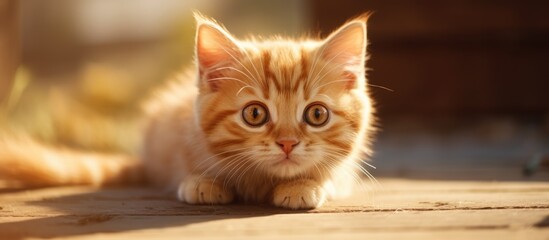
(215, 47)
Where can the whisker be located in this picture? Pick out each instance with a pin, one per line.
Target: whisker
(331, 82)
(318, 78)
(348, 171)
(258, 164)
(213, 156)
(239, 62)
(382, 87)
(242, 173)
(242, 88)
(216, 164)
(368, 164)
(234, 159)
(315, 62)
(343, 154)
(234, 69)
(318, 170)
(338, 154)
(328, 63)
(234, 170)
(252, 62)
(230, 78)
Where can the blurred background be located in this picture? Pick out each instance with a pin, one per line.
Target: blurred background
(468, 79)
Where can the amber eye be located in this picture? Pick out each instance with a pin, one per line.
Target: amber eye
(255, 114)
(316, 115)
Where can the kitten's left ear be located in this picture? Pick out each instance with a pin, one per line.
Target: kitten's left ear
(215, 48)
(214, 45)
(346, 47)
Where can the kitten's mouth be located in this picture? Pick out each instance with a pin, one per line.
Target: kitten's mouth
(286, 160)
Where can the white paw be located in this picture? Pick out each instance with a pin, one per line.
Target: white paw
(299, 194)
(203, 191)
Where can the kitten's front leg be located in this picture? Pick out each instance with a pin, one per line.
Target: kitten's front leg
(203, 190)
(299, 194)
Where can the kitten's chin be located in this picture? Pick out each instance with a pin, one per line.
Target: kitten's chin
(287, 167)
(286, 161)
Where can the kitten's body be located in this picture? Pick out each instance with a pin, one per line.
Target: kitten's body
(199, 142)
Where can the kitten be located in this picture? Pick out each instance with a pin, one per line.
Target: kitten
(276, 120)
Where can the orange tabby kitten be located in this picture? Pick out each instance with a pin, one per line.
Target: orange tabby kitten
(277, 120)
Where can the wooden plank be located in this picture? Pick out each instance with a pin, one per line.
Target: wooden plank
(392, 195)
(398, 208)
(486, 224)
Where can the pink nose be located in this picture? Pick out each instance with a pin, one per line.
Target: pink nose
(287, 145)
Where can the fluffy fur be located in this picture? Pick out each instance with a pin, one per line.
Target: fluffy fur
(198, 143)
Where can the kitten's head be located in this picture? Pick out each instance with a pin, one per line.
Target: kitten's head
(283, 107)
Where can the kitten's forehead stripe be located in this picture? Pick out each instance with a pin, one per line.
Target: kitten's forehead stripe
(304, 69)
(285, 78)
(340, 144)
(214, 105)
(335, 128)
(331, 134)
(218, 118)
(338, 112)
(234, 129)
(268, 74)
(353, 122)
(227, 143)
(250, 91)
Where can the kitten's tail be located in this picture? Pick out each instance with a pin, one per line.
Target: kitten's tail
(34, 164)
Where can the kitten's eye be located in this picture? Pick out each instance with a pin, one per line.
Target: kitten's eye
(316, 115)
(255, 114)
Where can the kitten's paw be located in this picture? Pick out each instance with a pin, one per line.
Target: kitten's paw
(299, 194)
(203, 191)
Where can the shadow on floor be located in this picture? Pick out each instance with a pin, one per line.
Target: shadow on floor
(115, 210)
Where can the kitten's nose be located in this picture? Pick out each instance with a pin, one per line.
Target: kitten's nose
(287, 144)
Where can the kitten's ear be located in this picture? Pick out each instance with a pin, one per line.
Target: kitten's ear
(346, 47)
(215, 47)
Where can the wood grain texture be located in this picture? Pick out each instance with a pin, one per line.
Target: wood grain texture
(409, 209)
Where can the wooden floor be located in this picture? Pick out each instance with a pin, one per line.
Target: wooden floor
(396, 209)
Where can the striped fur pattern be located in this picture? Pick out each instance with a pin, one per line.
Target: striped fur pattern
(198, 142)
(261, 120)
(30, 163)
